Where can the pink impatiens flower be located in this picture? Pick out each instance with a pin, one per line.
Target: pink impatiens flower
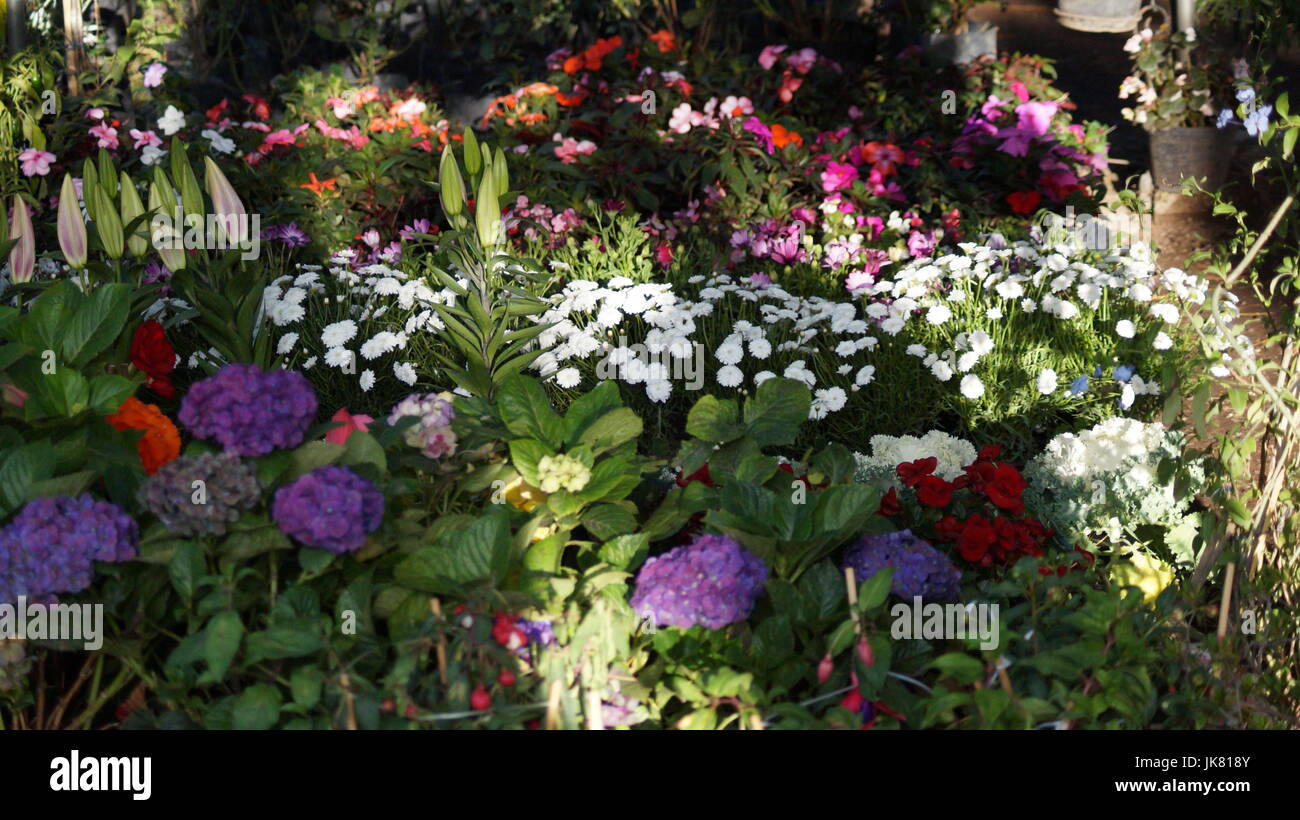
(153, 75)
(1036, 117)
(143, 138)
(838, 176)
(767, 57)
(35, 163)
(802, 60)
(570, 149)
(106, 136)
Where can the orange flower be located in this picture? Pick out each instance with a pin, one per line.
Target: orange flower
(319, 186)
(533, 118)
(665, 39)
(573, 65)
(781, 137)
(538, 89)
(161, 441)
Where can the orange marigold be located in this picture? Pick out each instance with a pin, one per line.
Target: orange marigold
(781, 136)
(161, 441)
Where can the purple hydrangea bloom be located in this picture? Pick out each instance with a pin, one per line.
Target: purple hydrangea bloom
(712, 581)
(52, 544)
(538, 632)
(331, 507)
(432, 434)
(919, 569)
(248, 411)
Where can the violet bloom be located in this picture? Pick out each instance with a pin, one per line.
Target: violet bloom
(52, 544)
(331, 508)
(838, 176)
(761, 133)
(417, 226)
(919, 569)
(248, 411)
(712, 582)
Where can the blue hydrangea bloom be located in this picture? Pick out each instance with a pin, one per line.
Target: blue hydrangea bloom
(1079, 386)
(712, 581)
(919, 569)
(1124, 372)
(331, 508)
(250, 412)
(52, 545)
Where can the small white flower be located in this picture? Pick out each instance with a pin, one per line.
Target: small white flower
(1126, 329)
(967, 361)
(971, 386)
(405, 372)
(1165, 312)
(938, 314)
(1126, 397)
(980, 343)
(339, 333)
(994, 313)
(287, 341)
(1047, 381)
(568, 378)
(659, 391)
(339, 357)
(730, 352)
(367, 380)
(1162, 341)
(172, 120)
(764, 375)
(941, 370)
(916, 350)
(730, 376)
(865, 376)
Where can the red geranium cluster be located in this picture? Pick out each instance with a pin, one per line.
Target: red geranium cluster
(988, 524)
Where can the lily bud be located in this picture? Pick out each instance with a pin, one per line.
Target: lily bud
(132, 208)
(71, 227)
(107, 222)
(500, 173)
(473, 158)
(165, 228)
(186, 182)
(232, 219)
(487, 212)
(451, 189)
(22, 258)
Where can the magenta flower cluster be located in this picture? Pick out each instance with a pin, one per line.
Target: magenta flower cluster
(713, 581)
(250, 412)
(330, 507)
(52, 545)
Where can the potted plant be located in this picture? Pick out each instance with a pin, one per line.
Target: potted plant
(1172, 90)
(1098, 15)
(952, 38)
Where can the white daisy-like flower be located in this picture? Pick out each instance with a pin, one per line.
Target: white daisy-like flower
(367, 380)
(568, 378)
(1162, 341)
(339, 357)
(659, 391)
(730, 352)
(730, 376)
(994, 313)
(1047, 381)
(938, 314)
(1028, 305)
(941, 370)
(384, 341)
(338, 333)
(763, 375)
(916, 350)
(760, 348)
(1125, 329)
(309, 364)
(827, 401)
(405, 372)
(286, 343)
(967, 360)
(980, 343)
(971, 386)
(892, 325)
(1165, 312)
(865, 376)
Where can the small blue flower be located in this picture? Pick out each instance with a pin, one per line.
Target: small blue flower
(1079, 386)
(1096, 372)
(1257, 121)
(1246, 95)
(1225, 118)
(1124, 372)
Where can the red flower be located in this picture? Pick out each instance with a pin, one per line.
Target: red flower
(1024, 202)
(701, 474)
(948, 528)
(1005, 489)
(990, 453)
(479, 699)
(933, 491)
(912, 471)
(506, 633)
(258, 106)
(153, 355)
(214, 113)
(889, 504)
(977, 536)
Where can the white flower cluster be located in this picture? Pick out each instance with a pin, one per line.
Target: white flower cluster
(1105, 479)
(362, 315)
(646, 332)
(887, 452)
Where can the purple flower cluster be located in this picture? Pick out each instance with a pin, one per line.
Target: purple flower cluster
(248, 411)
(52, 544)
(712, 581)
(331, 507)
(289, 233)
(919, 569)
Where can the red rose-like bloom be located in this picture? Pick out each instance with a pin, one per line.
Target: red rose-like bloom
(154, 356)
(889, 504)
(912, 471)
(150, 350)
(933, 491)
(977, 536)
(990, 453)
(948, 528)
(701, 474)
(1005, 489)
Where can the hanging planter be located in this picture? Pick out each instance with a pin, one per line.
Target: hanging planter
(1102, 16)
(977, 41)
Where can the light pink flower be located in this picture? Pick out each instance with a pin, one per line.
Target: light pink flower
(106, 135)
(143, 138)
(838, 176)
(570, 149)
(153, 75)
(767, 58)
(802, 60)
(35, 163)
(680, 121)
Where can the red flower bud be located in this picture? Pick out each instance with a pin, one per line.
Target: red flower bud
(864, 652)
(479, 699)
(825, 668)
(506, 678)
